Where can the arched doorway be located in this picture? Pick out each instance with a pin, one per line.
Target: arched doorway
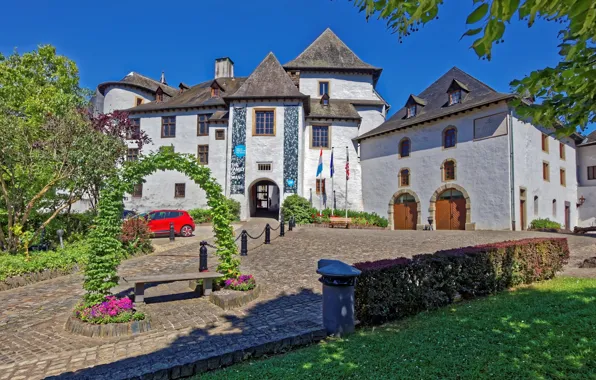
(451, 210)
(264, 199)
(404, 211)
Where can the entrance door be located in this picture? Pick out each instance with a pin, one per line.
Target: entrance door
(450, 211)
(567, 216)
(405, 213)
(522, 215)
(262, 194)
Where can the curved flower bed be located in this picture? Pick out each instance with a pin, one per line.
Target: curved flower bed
(111, 310)
(242, 283)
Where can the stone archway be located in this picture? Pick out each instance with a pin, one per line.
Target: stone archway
(264, 198)
(390, 211)
(469, 226)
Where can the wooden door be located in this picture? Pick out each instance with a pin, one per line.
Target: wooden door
(458, 214)
(443, 214)
(522, 214)
(567, 217)
(405, 216)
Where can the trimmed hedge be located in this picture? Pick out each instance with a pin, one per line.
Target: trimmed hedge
(396, 288)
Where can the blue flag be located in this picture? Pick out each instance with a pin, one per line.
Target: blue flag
(320, 166)
(332, 168)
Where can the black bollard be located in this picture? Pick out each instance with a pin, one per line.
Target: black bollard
(172, 237)
(267, 234)
(244, 243)
(293, 221)
(290, 224)
(282, 227)
(203, 257)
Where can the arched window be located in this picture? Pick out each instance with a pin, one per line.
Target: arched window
(404, 147)
(404, 177)
(449, 137)
(535, 205)
(449, 170)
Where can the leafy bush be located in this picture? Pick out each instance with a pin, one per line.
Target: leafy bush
(203, 215)
(360, 217)
(72, 224)
(136, 236)
(539, 224)
(391, 289)
(243, 282)
(298, 207)
(63, 259)
(111, 310)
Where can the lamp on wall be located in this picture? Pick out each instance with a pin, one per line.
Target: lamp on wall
(581, 201)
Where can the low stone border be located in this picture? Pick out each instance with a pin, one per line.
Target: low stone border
(231, 299)
(33, 277)
(109, 330)
(352, 226)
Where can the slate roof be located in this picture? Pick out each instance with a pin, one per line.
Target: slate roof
(337, 109)
(330, 53)
(436, 99)
(268, 80)
(137, 80)
(589, 140)
(197, 96)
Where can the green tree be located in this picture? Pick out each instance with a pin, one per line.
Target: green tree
(51, 149)
(566, 96)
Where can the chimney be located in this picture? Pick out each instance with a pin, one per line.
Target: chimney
(224, 68)
(162, 80)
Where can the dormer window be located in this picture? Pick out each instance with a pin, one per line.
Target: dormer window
(325, 100)
(454, 97)
(456, 92)
(414, 106)
(159, 94)
(215, 92)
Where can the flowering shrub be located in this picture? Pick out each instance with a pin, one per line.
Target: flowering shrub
(111, 310)
(391, 289)
(136, 236)
(243, 282)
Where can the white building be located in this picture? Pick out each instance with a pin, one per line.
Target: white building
(586, 174)
(458, 156)
(261, 136)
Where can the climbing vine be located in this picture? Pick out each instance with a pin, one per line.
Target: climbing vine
(106, 248)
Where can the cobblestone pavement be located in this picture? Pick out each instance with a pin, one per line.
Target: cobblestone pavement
(33, 343)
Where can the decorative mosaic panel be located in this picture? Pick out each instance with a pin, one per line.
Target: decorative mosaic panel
(237, 174)
(291, 126)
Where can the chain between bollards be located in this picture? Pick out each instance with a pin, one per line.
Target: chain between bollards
(203, 257)
(172, 235)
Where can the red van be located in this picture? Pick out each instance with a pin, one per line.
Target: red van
(159, 222)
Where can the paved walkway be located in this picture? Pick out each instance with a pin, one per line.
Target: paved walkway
(34, 345)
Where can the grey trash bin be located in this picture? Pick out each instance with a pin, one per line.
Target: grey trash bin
(338, 279)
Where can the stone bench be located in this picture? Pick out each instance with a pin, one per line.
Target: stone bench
(339, 222)
(140, 281)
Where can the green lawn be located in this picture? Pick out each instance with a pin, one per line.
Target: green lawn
(544, 331)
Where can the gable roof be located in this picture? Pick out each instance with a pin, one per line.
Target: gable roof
(139, 81)
(268, 80)
(328, 52)
(197, 96)
(337, 109)
(589, 140)
(437, 105)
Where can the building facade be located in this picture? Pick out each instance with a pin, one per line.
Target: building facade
(260, 135)
(458, 157)
(586, 174)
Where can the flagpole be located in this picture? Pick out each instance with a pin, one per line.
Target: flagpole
(332, 188)
(347, 166)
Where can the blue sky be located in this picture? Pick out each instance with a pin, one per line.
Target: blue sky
(109, 38)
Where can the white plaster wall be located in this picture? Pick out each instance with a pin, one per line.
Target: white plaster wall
(120, 98)
(482, 169)
(342, 133)
(341, 86)
(528, 158)
(372, 117)
(261, 149)
(158, 190)
(586, 156)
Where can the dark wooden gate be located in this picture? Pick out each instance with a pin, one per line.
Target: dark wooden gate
(405, 216)
(450, 211)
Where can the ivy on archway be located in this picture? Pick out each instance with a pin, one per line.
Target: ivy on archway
(106, 248)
